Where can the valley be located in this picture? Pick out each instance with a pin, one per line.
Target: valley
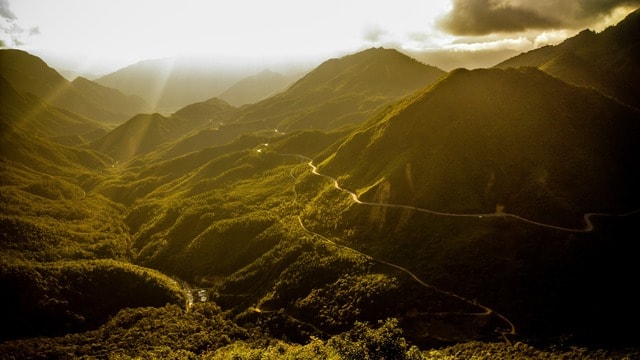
(376, 207)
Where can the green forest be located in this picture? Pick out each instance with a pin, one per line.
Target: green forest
(378, 208)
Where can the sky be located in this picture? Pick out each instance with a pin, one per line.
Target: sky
(100, 36)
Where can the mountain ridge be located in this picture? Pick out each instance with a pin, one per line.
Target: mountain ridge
(611, 54)
(255, 88)
(30, 74)
(346, 90)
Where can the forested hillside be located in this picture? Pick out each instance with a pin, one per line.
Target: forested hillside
(377, 208)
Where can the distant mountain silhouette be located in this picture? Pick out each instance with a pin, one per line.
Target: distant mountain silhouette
(170, 84)
(111, 98)
(29, 74)
(606, 61)
(479, 139)
(255, 88)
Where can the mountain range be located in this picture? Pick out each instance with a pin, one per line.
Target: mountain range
(606, 61)
(377, 207)
(172, 83)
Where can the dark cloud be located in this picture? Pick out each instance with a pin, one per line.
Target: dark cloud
(481, 17)
(5, 10)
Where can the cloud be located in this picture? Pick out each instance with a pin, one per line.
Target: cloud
(5, 10)
(519, 44)
(12, 34)
(373, 34)
(481, 17)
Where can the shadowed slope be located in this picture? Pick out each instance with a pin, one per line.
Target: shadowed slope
(517, 139)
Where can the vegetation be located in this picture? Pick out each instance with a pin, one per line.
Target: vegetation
(205, 234)
(72, 296)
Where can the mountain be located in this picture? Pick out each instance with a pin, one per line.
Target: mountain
(30, 113)
(29, 74)
(495, 172)
(111, 98)
(170, 84)
(53, 231)
(339, 92)
(29, 128)
(605, 61)
(342, 91)
(145, 132)
(255, 88)
(72, 75)
(486, 137)
(376, 208)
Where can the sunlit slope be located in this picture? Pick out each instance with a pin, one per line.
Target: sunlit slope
(109, 98)
(343, 91)
(606, 61)
(22, 148)
(53, 227)
(47, 210)
(30, 113)
(145, 132)
(515, 139)
(255, 88)
(29, 74)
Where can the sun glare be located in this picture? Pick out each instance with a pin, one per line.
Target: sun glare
(122, 32)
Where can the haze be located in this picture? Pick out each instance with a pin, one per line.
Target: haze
(101, 36)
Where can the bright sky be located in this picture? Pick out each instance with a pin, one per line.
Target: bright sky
(104, 35)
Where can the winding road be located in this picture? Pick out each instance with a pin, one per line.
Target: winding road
(586, 217)
(512, 329)
(487, 310)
